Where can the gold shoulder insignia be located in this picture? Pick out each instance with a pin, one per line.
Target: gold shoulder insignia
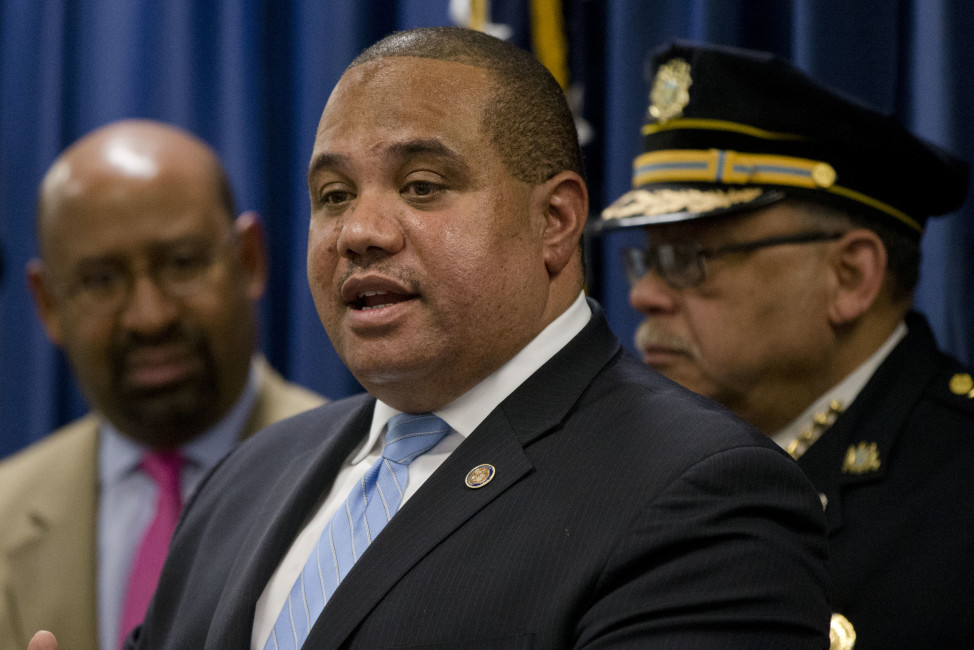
(962, 384)
(671, 90)
(861, 459)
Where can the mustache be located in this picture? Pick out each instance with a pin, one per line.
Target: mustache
(648, 335)
(405, 276)
(132, 342)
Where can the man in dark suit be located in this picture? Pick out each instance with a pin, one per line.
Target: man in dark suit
(783, 233)
(574, 498)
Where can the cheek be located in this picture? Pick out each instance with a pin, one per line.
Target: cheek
(750, 329)
(87, 341)
(222, 317)
(321, 260)
(86, 330)
(726, 328)
(717, 336)
(482, 265)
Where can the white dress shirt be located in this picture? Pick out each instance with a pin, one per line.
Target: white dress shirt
(463, 415)
(127, 500)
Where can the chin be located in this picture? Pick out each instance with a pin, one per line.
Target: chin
(178, 406)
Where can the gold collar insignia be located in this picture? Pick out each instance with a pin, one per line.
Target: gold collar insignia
(861, 459)
(820, 424)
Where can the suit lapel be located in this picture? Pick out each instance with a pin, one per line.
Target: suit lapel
(274, 530)
(440, 506)
(444, 503)
(52, 551)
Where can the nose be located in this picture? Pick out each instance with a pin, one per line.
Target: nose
(651, 296)
(147, 309)
(369, 229)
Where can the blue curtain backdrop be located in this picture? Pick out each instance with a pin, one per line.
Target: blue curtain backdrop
(251, 77)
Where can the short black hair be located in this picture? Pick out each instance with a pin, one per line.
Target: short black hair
(527, 118)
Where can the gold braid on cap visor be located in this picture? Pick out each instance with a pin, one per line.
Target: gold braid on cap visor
(735, 168)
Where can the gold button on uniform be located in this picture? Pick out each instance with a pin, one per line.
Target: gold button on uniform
(962, 384)
(823, 174)
(842, 636)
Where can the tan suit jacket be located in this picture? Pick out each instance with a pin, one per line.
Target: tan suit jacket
(48, 505)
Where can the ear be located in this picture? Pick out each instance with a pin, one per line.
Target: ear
(44, 301)
(565, 209)
(253, 253)
(859, 271)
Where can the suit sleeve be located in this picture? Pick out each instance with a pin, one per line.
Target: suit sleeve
(731, 555)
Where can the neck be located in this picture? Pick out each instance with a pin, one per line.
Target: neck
(774, 406)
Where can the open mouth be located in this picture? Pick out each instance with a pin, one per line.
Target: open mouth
(378, 299)
(373, 292)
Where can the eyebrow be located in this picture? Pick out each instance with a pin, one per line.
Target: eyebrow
(325, 160)
(400, 151)
(431, 147)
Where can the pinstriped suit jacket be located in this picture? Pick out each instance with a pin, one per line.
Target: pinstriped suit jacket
(625, 512)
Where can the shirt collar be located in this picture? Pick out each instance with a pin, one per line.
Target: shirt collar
(844, 392)
(465, 413)
(118, 454)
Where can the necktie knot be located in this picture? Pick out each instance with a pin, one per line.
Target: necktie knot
(410, 435)
(163, 466)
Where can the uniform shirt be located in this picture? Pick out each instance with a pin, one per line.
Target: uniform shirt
(127, 499)
(463, 415)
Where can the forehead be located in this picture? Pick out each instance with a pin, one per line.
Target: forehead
(105, 213)
(398, 99)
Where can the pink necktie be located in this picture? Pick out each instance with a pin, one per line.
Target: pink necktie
(163, 467)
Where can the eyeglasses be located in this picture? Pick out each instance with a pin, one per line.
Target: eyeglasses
(178, 271)
(684, 265)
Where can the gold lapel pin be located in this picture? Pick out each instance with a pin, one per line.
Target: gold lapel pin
(479, 476)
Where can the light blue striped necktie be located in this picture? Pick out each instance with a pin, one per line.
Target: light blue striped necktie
(367, 509)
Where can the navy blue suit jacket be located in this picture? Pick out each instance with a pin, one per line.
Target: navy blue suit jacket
(625, 512)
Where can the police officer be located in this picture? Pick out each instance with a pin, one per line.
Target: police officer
(783, 225)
